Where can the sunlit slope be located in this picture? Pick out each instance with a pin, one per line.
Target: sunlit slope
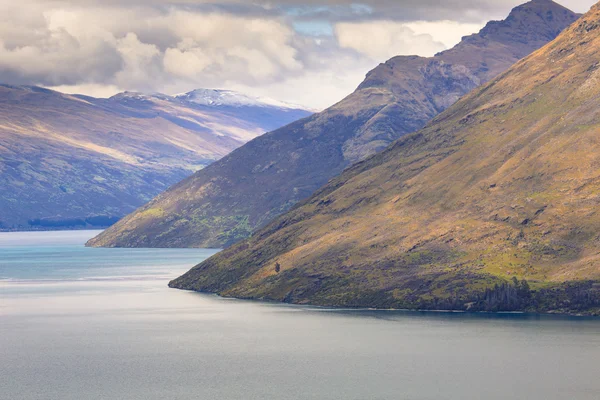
(503, 187)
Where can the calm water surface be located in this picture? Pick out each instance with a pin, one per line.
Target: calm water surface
(79, 323)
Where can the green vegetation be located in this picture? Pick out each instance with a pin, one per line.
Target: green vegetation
(492, 207)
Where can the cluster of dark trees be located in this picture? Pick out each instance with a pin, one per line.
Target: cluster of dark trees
(581, 297)
(514, 295)
(517, 295)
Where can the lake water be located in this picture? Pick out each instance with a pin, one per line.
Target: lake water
(79, 323)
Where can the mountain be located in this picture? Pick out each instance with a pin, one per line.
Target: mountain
(69, 160)
(493, 206)
(224, 203)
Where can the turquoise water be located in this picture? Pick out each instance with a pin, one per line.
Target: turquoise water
(61, 256)
(79, 323)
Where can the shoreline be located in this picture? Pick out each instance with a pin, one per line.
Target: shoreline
(316, 307)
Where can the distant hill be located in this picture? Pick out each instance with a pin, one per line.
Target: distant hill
(70, 160)
(224, 203)
(494, 206)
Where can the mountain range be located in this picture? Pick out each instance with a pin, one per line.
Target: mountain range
(493, 206)
(263, 179)
(71, 160)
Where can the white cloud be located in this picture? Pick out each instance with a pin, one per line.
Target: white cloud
(382, 40)
(141, 61)
(447, 32)
(222, 47)
(317, 88)
(94, 90)
(186, 62)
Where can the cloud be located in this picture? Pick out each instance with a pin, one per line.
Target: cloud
(310, 52)
(141, 61)
(186, 62)
(384, 39)
(446, 32)
(221, 46)
(94, 90)
(34, 49)
(381, 40)
(137, 46)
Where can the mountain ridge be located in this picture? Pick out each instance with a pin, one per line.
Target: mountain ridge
(491, 207)
(266, 177)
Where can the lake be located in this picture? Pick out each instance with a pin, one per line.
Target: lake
(79, 323)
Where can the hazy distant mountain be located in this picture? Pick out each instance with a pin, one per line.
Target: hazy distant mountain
(227, 201)
(68, 159)
(493, 206)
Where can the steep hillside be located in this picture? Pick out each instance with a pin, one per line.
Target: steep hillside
(493, 206)
(224, 203)
(74, 160)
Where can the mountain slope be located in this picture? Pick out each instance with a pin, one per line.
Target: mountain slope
(493, 206)
(227, 201)
(66, 159)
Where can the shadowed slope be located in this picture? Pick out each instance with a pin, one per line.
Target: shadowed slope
(501, 187)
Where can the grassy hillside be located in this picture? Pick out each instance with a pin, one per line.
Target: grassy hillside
(224, 203)
(493, 206)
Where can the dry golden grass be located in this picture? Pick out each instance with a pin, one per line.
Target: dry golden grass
(504, 184)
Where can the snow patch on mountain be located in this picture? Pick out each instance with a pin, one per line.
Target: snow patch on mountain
(211, 98)
(142, 96)
(214, 97)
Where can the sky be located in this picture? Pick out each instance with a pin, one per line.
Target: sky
(307, 52)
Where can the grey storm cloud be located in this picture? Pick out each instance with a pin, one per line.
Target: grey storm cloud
(287, 49)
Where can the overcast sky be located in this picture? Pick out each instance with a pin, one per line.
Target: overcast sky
(301, 51)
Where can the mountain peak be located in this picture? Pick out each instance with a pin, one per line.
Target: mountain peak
(537, 20)
(543, 6)
(527, 28)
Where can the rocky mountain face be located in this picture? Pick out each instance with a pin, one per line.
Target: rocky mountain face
(226, 202)
(74, 161)
(492, 206)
